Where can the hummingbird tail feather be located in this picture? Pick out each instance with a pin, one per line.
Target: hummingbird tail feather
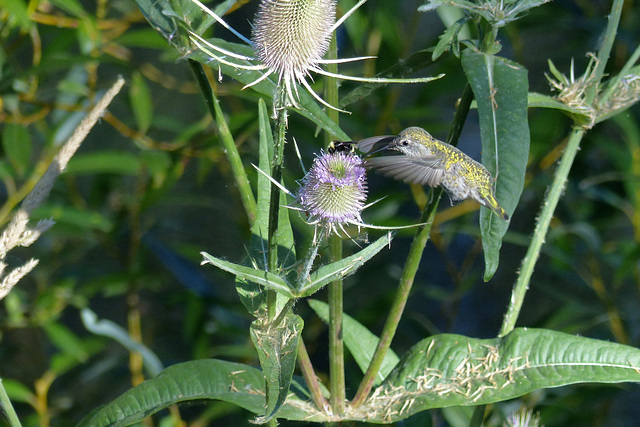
(491, 202)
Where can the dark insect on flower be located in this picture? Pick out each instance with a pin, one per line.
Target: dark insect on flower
(342, 147)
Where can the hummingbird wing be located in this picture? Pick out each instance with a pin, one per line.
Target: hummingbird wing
(374, 143)
(420, 170)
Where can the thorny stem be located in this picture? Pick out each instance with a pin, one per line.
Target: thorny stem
(411, 265)
(542, 226)
(605, 49)
(399, 301)
(274, 206)
(336, 344)
(7, 407)
(557, 186)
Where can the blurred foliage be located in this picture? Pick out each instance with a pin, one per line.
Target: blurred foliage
(151, 188)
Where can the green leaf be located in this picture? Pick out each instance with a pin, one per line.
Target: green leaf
(18, 392)
(277, 348)
(500, 87)
(359, 340)
(497, 12)
(116, 162)
(16, 143)
(544, 101)
(261, 277)
(17, 13)
(449, 39)
(72, 7)
(251, 293)
(154, 12)
(453, 370)
(343, 268)
(141, 102)
(65, 340)
(111, 330)
(76, 218)
(236, 383)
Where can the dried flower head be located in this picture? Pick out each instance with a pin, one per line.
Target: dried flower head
(572, 91)
(334, 191)
(290, 37)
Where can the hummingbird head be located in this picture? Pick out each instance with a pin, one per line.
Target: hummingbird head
(413, 141)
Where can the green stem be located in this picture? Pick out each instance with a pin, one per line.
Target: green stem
(605, 49)
(237, 168)
(310, 377)
(412, 263)
(336, 344)
(279, 141)
(542, 226)
(399, 301)
(7, 407)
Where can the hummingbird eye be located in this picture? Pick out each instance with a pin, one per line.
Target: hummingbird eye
(404, 142)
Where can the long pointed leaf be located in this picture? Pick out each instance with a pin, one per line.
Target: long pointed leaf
(261, 277)
(453, 370)
(342, 268)
(500, 87)
(236, 383)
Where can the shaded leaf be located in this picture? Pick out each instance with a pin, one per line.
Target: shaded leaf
(16, 144)
(497, 12)
(65, 340)
(500, 87)
(79, 219)
(141, 103)
(359, 340)
(17, 13)
(18, 392)
(116, 162)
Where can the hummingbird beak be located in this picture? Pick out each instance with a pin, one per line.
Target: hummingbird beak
(375, 144)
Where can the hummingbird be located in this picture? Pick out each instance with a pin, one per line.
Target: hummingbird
(427, 160)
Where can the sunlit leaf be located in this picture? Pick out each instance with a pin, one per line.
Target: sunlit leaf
(343, 268)
(453, 370)
(261, 277)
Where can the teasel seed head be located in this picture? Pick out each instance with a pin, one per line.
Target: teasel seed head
(291, 36)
